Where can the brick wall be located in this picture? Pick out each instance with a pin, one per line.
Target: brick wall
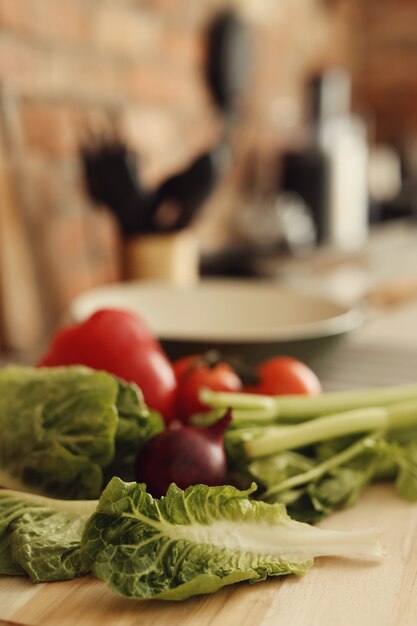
(386, 68)
(73, 65)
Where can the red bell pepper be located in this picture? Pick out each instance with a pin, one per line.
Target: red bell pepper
(118, 342)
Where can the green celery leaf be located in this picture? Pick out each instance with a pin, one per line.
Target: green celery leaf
(301, 506)
(336, 481)
(406, 482)
(41, 537)
(339, 488)
(271, 470)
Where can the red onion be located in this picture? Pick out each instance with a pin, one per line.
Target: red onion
(188, 455)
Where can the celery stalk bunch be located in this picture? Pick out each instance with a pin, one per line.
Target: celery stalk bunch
(317, 454)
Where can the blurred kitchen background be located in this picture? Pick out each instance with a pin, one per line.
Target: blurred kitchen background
(179, 138)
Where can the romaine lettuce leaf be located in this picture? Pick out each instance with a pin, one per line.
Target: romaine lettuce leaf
(40, 537)
(201, 539)
(65, 431)
(135, 426)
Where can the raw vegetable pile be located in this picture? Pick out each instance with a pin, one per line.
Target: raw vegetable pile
(230, 463)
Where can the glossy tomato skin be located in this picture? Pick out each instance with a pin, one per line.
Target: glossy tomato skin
(195, 373)
(181, 366)
(118, 342)
(285, 375)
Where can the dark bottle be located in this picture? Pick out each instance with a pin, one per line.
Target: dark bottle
(330, 172)
(307, 173)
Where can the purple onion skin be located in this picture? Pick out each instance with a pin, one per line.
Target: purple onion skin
(185, 456)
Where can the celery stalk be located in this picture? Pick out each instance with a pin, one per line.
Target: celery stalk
(254, 407)
(278, 438)
(292, 436)
(318, 471)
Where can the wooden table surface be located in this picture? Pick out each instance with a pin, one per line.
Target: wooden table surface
(336, 592)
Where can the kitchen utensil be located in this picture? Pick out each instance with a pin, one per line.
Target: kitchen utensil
(173, 257)
(250, 319)
(228, 60)
(188, 189)
(111, 170)
(112, 178)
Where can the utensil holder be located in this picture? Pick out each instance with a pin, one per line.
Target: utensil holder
(170, 257)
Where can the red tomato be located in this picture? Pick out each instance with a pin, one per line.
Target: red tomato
(118, 342)
(285, 375)
(181, 366)
(193, 374)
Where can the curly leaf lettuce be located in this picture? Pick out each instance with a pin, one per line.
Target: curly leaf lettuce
(40, 537)
(201, 539)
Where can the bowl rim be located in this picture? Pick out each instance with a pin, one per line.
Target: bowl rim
(349, 317)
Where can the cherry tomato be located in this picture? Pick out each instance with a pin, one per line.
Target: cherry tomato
(285, 375)
(181, 366)
(118, 342)
(196, 372)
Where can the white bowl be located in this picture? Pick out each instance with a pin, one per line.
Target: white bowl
(254, 319)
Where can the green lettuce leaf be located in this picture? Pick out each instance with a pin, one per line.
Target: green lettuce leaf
(40, 537)
(201, 539)
(58, 429)
(67, 430)
(135, 426)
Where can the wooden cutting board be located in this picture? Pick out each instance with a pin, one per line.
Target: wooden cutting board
(336, 592)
